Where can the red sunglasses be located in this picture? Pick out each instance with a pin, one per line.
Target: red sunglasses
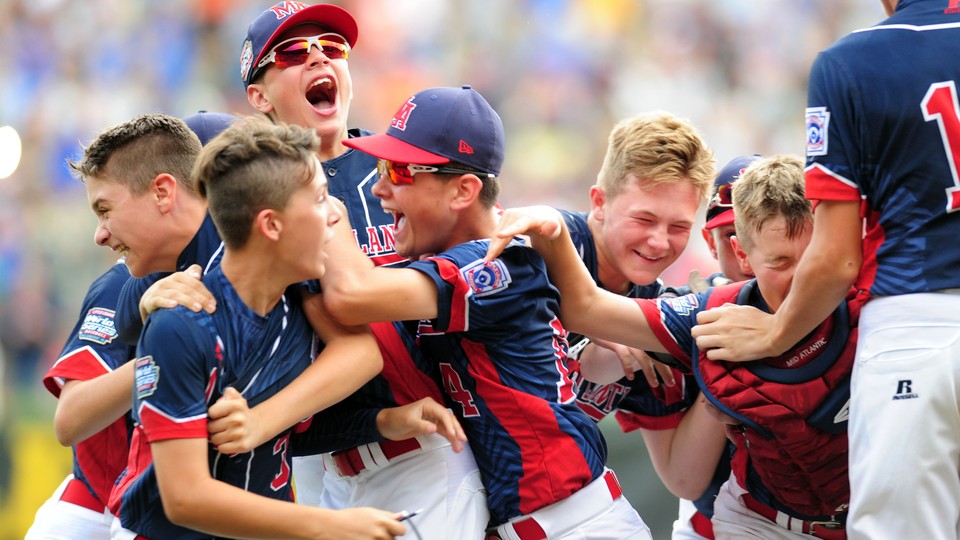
(723, 198)
(402, 173)
(295, 51)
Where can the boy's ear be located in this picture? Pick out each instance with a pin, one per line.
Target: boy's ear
(268, 224)
(258, 99)
(468, 187)
(598, 197)
(711, 244)
(164, 190)
(742, 258)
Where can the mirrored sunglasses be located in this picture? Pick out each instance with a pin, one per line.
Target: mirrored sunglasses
(295, 51)
(402, 173)
(723, 198)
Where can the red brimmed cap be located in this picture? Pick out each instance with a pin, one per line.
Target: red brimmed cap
(276, 20)
(440, 125)
(720, 213)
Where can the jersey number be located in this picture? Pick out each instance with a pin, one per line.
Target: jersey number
(282, 477)
(940, 104)
(456, 391)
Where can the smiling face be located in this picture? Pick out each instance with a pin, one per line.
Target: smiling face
(129, 225)
(772, 256)
(315, 94)
(641, 231)
(421, 211)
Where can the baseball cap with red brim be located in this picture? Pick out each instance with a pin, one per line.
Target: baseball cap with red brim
(720, 207)
(440, 125)
(282, 16)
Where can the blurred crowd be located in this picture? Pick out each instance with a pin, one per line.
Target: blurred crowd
(560, 73)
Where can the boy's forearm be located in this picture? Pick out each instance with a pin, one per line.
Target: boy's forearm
(87, 407)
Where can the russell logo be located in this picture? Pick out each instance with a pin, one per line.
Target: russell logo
(905, 390)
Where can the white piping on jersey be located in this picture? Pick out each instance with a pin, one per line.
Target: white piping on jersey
(276, 342)
(910, 27)
(145, 405)
(213, 258)
(363, 200)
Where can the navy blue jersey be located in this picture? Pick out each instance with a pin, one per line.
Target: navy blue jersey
(501, 351)
(94, 349)
(205, 249)
(883, 124)
(185, 361)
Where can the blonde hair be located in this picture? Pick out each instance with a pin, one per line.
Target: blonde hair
(657, 148)
(770, 187)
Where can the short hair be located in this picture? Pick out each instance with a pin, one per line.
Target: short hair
(137, 151)
(253, 165)
(490, 192)
(768, 188)
(657, 148)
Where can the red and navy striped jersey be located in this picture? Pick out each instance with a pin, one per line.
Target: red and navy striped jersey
(501, 351)
(185, 361)
(883, 125)
(94, 349)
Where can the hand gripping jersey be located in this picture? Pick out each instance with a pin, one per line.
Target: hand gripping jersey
(94, 349)
(185, 362)
(883, 124)
(792, 439)
(502, 355)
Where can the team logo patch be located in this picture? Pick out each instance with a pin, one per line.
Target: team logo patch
(402, 115)
(682, 305)
(486, 278)
(246, 59)
(818, 120)
(146, 376)
(98, 326)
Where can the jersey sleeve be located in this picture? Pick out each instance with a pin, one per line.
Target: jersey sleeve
(671, 320)
(476, 296)
(175, 367)
(93, 347)
(832, 141)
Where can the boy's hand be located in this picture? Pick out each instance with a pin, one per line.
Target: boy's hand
(178, 289)
(542, 221)
(232, 425)
(422, 417)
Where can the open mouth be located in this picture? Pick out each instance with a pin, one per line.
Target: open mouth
(322, 94)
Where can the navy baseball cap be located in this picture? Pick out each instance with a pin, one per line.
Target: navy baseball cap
(208, 125)
(440, 125)
(720, 207)
(282, 16)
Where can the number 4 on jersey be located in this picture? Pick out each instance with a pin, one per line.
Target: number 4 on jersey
(940, 104)
(456, 391)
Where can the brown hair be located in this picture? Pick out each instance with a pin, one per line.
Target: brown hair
(137, 151)
(252, 165)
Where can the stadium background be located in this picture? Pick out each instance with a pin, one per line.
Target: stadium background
(560, 73)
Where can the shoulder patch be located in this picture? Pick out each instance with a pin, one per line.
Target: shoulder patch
(98, 326)
(146, 376)
(486, 278)
(681, 305)
(818, 120)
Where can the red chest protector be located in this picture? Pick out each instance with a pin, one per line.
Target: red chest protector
(792, 441)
